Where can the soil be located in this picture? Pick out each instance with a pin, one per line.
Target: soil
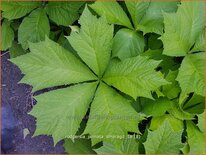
(16, 103)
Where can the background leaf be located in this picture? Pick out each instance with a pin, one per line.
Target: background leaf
(183, 28)
(63, 13)
(14, 10)
(127, 43)
(113, 13)
(7, 35)
(33, 28)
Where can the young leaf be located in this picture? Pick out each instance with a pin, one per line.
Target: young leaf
(128, 146)
(7, 35)
(60, 112)
(196, 139)
(164, 140)
(148, 17)
(191, 74)
(135, 76)
(14, 10)
(127, 43)
(113, 13)
(111, 115)
(93, 43)
(48, 65)
(36, 24)
(63, 13)
(183, 28)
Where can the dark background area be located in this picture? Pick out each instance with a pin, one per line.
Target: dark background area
(16, 103)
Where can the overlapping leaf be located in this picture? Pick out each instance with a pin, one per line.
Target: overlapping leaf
(127, 43)
(113, 13)
(36, 24)
(49, 64)
(14, 10)
(109, 116)
(7, 36)
(164, 140)
(147, 16)
(191, 74)
(60, 112)
(135, 76)
(183, 28)
(64, 13)
(93, 42)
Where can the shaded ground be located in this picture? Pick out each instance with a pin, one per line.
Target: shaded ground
(16, 102)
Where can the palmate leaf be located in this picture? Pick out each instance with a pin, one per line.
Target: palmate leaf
(200, 43)
(191, 74)
(128, 146)
(135, 76)
(127, 43)
(14, 10)
(147, 16)
(164, 140)
(201, 122)
(7, 35)
(63, 13)
(49, 64)
(60, 112)
(111, 115)
(113, 13)
(93, 42)
(36, 24)
(183, 28)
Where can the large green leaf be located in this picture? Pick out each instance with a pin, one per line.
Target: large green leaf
(128, 146)
(60, 112)
(93, 42)
(127, 43)
(111, 116)
(135, 76)
(113, 13)
(79, 146)
(49, 64)
(7, 36)
(196, 139)
(191, 74)
(147, 16)
(164, 140)
(33, 28)
(183, 28)
(63, 13)
(14, 10)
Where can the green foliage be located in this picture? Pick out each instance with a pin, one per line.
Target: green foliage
(122, 69)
